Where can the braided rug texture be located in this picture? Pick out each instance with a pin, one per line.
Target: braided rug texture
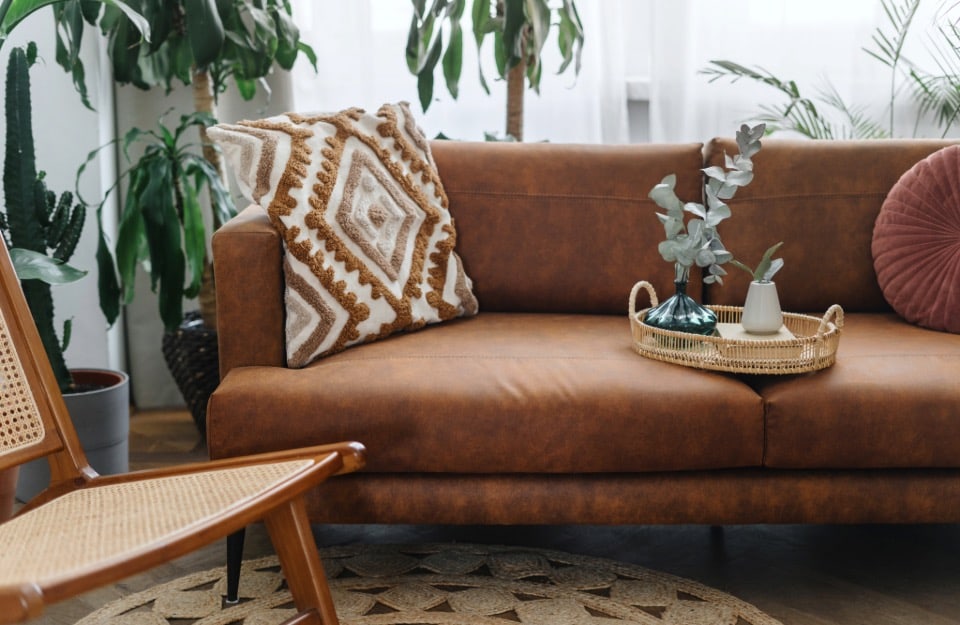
(444, 584)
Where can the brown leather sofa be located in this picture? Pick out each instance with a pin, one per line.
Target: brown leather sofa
(538, 411)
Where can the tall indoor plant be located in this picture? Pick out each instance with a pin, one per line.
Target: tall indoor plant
(165, 220)
(520, 29)
(42, 232)
(204, 44)
(933, 94)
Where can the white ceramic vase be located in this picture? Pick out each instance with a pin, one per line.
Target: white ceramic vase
(761, 310)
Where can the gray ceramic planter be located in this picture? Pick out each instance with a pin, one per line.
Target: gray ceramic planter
(102, 420)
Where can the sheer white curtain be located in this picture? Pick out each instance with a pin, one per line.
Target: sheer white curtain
(807, 42)
(361, 43)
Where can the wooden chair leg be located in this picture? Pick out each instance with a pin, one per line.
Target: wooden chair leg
(234, 560)
(296, 548)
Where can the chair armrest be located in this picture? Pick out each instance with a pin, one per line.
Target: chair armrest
(352, 457)
(248, 268)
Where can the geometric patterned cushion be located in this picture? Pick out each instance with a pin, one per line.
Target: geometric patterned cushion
(368, 237)
(916, 243)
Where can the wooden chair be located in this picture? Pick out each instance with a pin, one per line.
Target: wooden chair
(86, 530)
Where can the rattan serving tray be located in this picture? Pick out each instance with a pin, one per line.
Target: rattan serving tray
(813, 346)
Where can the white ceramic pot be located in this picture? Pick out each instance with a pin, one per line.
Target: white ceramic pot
(761, 310)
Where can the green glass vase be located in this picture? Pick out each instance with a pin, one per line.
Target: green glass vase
(680, 312)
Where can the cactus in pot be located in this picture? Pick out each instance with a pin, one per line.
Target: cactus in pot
(40, 229)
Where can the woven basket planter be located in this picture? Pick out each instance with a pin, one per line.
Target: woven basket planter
(193, 359)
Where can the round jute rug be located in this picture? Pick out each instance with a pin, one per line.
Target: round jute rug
(444, 584)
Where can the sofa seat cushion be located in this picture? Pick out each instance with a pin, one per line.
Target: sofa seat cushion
(499, 393)
(891, 400)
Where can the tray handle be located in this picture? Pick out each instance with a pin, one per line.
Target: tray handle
(643, 284)
(835, 312)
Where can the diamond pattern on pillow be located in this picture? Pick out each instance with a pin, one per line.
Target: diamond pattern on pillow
(364, 219)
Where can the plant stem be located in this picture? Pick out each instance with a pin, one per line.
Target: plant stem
(204, 101)
(515, 79)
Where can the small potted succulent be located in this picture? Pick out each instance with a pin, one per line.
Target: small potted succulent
(696, 240)
(761, 310)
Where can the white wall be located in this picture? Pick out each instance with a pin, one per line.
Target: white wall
(65, 132)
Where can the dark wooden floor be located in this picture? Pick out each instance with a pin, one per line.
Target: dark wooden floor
(802, 575)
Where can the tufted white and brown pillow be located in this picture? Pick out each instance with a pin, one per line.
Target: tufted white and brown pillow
(364, 219)
(916, 243)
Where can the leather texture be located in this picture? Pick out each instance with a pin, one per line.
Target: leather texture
(890, 400)
(500, 393)
(821, 198)
(538, 411)
(562, 228)
(706, 497)
(248, 265)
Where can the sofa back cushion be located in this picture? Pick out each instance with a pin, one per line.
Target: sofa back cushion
(821, 198)
(562, 228)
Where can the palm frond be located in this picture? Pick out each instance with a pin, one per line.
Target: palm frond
(858, 125)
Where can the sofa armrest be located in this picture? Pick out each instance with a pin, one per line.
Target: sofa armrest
(248, 265)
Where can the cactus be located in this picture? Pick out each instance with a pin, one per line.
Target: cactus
(40, 229)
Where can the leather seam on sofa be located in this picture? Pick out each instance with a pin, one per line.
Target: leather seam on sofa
(546, 196)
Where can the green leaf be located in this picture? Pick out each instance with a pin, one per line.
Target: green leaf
(718, 214)
(31, 265)
(739, 178)
(309, 53)
(513, 23)
(537, 15)
(500, 55)
(425, 77)
(767, 266)
(108, 287)
(695, 209)
(482, 26)
(413, 52)
(194, 237)
(664, 196)
(668, 250)
(91, 10)
(570, 36)
(246, 88)
(130, 237)
(288, 36)
(453, 59)
(18, 10)
(204, 30)
(220, 198)
(481, 20)
(716, 172)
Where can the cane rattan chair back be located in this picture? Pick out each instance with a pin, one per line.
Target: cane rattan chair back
(28, 428)
(87, 530)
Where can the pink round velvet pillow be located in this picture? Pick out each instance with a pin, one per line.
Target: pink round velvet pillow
(916, 243)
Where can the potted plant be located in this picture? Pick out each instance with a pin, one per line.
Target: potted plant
(696, 241)
(42, 232)
(520, 29)
(932, 94)
(761, 310)
(204, 45)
